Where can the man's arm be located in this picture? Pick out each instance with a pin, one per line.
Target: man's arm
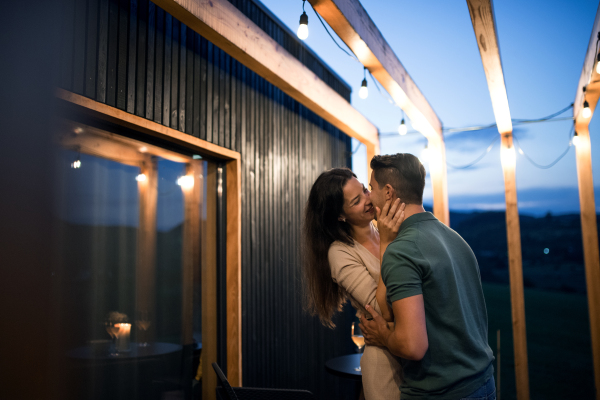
(409, 337)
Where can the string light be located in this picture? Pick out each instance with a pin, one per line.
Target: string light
(186, 181)
(303, 27)
(141, 178)
(402, 128)
(598, 64)
(575, 139)
(363, 93)
(77, 163)
(587, 112)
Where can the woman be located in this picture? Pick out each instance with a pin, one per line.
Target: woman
(342, 261)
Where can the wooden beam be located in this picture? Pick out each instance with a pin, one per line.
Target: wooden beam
(437, 171)
(484, 25)
(353, 25)
(230, 30)
(515, 262)
(591, 80)
(589, 232)
(94, 108)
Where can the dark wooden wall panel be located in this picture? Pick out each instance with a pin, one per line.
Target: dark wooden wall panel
(132, 55)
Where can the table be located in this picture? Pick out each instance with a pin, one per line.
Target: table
(344, 366)
(101, 352)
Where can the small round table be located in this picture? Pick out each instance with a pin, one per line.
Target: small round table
(345, 366)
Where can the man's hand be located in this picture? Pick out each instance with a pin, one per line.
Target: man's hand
(375, 331)
(388, 222)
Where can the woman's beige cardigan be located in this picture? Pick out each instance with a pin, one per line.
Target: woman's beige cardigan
(357, 271)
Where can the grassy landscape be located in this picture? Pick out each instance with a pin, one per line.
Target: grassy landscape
(558, 340)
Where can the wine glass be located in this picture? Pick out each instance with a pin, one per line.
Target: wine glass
(143, 324)
(357, 338)
(112, 329)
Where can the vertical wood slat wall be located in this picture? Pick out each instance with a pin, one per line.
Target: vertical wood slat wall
(132, 55)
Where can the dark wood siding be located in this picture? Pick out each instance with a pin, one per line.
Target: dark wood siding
(132, 55)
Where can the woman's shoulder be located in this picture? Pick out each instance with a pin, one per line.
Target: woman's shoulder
(339, 246)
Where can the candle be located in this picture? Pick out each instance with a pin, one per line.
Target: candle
(123, 336)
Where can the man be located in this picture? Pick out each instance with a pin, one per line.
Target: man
(434, 288)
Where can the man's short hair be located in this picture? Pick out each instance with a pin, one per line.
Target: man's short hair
(404, 172)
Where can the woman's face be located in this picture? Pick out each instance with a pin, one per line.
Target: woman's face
(358, 209)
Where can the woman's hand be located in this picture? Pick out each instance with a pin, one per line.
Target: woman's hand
(388, 222)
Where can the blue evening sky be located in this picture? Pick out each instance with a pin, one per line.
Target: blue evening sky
(542, 45)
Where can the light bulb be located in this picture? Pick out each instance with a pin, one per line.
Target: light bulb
(186, 181)
(141, 178)
(303, 27)
(363, 93)
(402, 128)
(508, 158)
(598, 68)
(76, 164)
(587, 112)
(575, 139)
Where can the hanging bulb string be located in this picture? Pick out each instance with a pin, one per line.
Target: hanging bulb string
(553, 163)
(360, 144)
(479, 158)
(331, 36)
(550, 118)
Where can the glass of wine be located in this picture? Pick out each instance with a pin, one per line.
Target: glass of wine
(358, 339)
(143, 324)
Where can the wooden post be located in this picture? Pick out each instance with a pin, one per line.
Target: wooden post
(484, 27)
(439, 180)
(589, 232)
(145, 272)
(515, 265)
(234, 272)
(209, 288)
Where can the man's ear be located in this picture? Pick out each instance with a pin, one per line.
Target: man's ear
(389, 192)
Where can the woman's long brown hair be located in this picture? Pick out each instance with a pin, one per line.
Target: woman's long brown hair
(320, 229)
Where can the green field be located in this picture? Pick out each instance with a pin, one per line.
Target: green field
(558, 342)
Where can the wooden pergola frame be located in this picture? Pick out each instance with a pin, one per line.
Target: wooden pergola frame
(228, 28)
(484, 26)
(353, 25)
(589, 79)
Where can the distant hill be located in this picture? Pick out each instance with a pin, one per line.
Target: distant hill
(551, 247)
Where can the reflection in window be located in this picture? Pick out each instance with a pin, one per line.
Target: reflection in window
(130, 217)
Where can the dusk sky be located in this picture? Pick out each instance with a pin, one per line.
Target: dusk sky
(542, 45)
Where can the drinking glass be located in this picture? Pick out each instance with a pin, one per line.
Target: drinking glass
(143, 324)
(112, 329)
(357, 338)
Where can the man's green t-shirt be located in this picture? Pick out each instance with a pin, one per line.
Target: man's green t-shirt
(431, 259)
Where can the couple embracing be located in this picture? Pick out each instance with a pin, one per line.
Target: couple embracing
(414, 282)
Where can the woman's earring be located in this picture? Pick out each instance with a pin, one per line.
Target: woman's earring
(342, 219)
